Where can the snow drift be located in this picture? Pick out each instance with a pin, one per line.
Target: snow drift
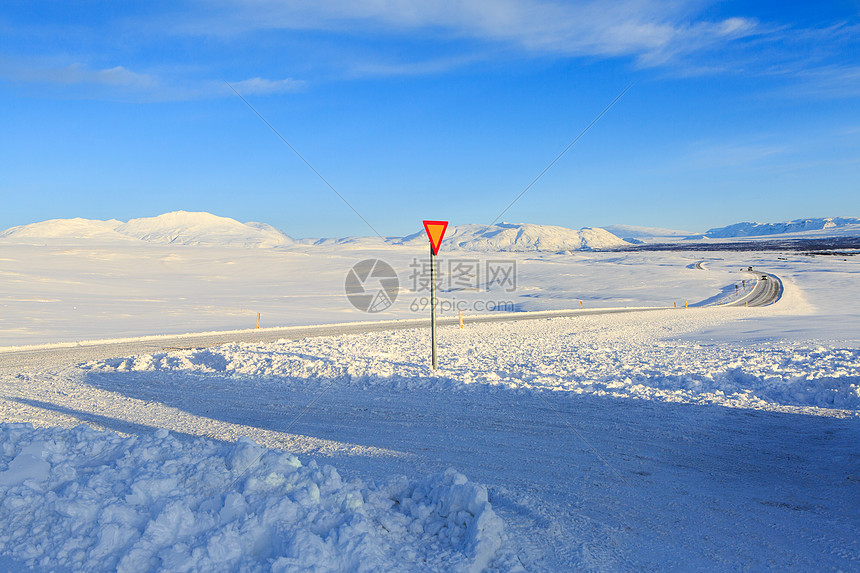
(84, 500)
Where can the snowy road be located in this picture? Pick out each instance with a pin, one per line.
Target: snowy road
(14, 359)
(767, 291)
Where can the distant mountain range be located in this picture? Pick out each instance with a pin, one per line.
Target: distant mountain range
(205, 229)
(634, 232)
(799, 228)
(522, 238)
(787, 227)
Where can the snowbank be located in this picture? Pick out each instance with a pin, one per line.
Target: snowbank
(599, 355)
(95, 501)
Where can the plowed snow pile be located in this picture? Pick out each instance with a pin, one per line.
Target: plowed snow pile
(594, 355)
(95, 501)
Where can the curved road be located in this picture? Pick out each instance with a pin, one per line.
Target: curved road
(768, 289)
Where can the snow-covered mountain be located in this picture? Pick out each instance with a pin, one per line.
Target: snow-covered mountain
(523, 238)
(178, 228)
(205, 229)
(636, 234)
(64, 229)
(786, 227)
(184, 228)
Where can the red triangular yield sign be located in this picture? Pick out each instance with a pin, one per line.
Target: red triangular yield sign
(435, 230)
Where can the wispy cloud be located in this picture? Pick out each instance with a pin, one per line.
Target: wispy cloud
(410, 68)
(650, 31)
(261, 86)
(78, 81)
(360, 38)
(75, 74)
(827, 82)
(669, 35)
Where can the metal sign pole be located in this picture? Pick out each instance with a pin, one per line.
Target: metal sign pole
(433, 304)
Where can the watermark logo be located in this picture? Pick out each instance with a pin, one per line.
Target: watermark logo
(465, 275)
(371, 285)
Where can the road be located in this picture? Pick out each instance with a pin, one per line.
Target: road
(767, 290)
(51, 356)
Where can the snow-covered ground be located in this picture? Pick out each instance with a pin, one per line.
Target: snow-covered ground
(95, 501)
(63, 293)
(700, 439)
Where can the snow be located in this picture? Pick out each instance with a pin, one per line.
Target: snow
(205, 229)
(68, 293)
(551, 355)
(86, 500)
(847, 225)
(66, 229)
(185, 228)
(707, 438)
(647, 234)
(503, 237)
(811, 228)
(597, 442)
(179, 228)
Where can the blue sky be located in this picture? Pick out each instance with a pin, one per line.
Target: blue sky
(433, 109)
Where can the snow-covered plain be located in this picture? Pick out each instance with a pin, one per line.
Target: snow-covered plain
(698, 439)
(81, 291)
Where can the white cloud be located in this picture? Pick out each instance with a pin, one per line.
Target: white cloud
(432, 66)
(649, 30)
(118, 82)
(76, 74)
(261, 86)
(833, 81)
